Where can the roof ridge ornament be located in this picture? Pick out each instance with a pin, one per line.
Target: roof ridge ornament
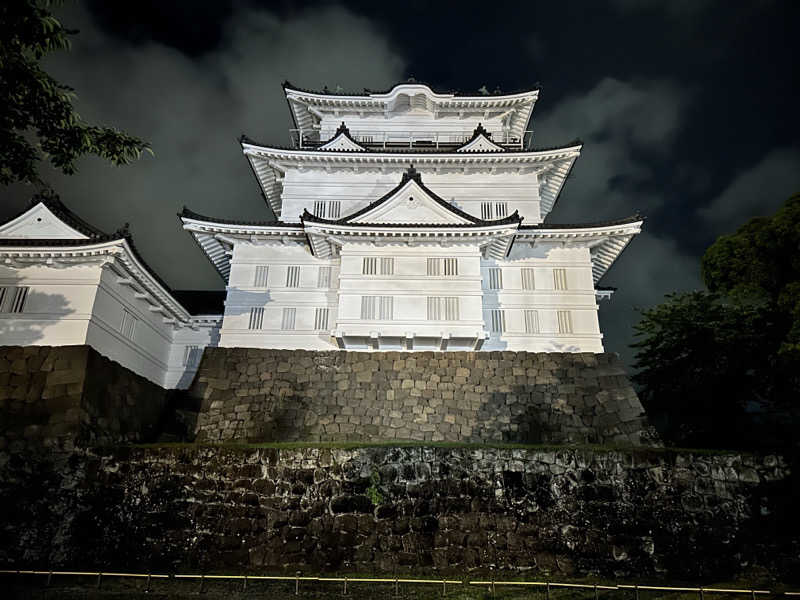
(411, 173)
(342, 129)
(481, 130)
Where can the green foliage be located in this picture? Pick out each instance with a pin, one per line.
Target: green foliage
(722, 368)
(37, 119)
(373, 491)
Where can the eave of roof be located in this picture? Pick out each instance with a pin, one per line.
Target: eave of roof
(545, 226)
(366, 93)
(189, 214)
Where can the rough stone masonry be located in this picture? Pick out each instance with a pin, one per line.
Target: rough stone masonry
(295, 395)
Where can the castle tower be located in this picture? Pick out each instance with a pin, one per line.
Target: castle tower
(411, 220)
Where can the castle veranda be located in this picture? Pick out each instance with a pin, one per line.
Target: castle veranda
(404, 220)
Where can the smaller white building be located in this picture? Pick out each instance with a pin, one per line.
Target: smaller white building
(64, 282)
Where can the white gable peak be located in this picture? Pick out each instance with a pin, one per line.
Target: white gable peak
(342, 141)
(39, 222)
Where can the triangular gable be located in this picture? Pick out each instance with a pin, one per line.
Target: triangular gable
(40, 222)
(411, 203)
(480, 142)
(342, 141)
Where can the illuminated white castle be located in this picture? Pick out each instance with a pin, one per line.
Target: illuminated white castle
(404, 220)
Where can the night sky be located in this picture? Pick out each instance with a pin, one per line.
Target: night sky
(688, 111)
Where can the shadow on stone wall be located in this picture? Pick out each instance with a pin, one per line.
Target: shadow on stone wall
(279, 395)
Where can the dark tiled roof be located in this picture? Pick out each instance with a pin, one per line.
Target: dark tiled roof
(197, 216)
(624, 221)
(202, 302)
(404, 149)
(411, 81)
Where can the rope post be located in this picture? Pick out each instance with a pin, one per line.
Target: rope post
(244, 584)
(547, 590)
(297, 583)
(636, 592)
(701, 594)
(49, 577)
(147, 587)
(444, 587)
(344, 593)
(753, 594)
(99, 580)
(202, 583)
(491, 571)
(595, 592)
(396, 587)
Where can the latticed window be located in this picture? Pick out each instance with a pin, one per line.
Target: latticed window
(128, 326)
(293, 277)
(443, 308)
(531, 321)
(494, 210)
(443, 266)
(324, 277)
(564, 321)
(12, 299)
(560, 279)
(256, 317)
(498, 317)
(321, 319)
(192, 356)
(287, 322)
(495, 278)
(500, 210)
(261, 276)
(486, 210)
(369, 266)
(387, 266)
(528, 279)
(330, 209)
(374, 308)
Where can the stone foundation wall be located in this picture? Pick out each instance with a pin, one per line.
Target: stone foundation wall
(646, 513)
(57, 396)
(282, 395)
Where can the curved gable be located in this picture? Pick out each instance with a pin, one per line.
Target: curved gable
(40, 222)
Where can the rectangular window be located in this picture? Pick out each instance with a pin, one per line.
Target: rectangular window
(443, 309)
(287, 322)
(495, 278)
(324, 277)
(498, 320)
(560, 279)
(329, 209)
(192, 356)
(334, 209)
(443, 266)
(12, 299)
(500, 210)
(369, 266)
(486, 211)
(293, 277)
(262, 274)
(377, 308)
(531, 321)
(128, 326)
(528, 279)
(256, 318)
(387, 266)
(321, 319)
(564, 321)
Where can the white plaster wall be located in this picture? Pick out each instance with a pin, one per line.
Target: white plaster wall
(355, 190)
(578, 299)
(275, 296)
(58, 306)
(179, 374)
(83, 304)
(399, 126)
(410, 286)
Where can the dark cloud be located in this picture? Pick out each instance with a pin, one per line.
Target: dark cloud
(192, 111)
